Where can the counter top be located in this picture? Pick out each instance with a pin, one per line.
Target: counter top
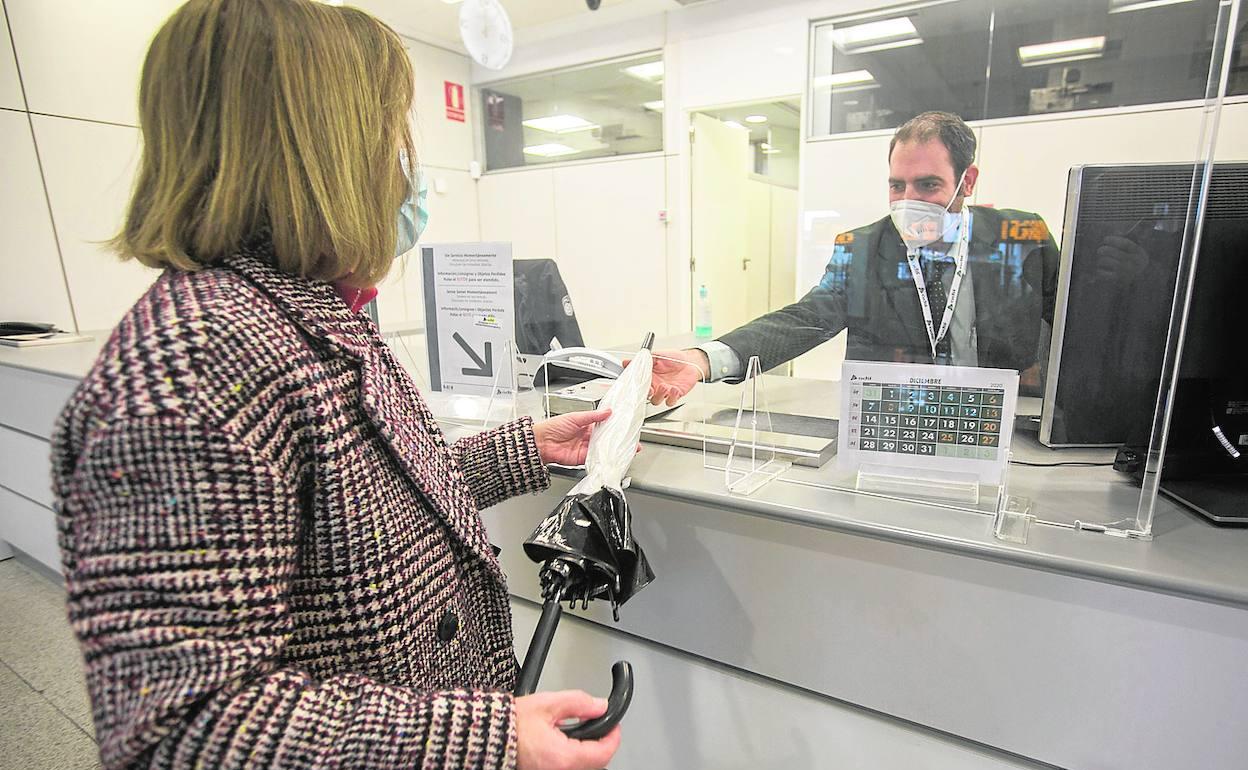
(1188, 556)
(70, 360)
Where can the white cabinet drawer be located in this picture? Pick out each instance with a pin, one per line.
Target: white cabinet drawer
(30, 401)
(26, 466)
(30, 527)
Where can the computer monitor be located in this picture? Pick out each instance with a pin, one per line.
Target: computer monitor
(1119, 268)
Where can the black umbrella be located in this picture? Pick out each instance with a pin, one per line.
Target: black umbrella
(586, 546)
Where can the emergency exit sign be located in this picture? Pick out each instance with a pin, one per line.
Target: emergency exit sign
(454, 101)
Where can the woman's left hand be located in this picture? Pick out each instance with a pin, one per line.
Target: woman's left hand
(564, 440)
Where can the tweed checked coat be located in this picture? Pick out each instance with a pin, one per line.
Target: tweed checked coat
(273, 558)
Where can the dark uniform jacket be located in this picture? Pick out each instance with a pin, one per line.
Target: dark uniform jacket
(273, 558)
(867, 287)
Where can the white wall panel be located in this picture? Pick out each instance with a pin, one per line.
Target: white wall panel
(611, 247)
(751, 64)
(89, 170)
(519, 207)
(31, 284)
(1233, 133)
(844, 186)
(439, 140)
(10, 84)
(83, 58)
(1024, 165)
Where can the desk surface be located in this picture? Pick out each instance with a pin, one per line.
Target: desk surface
(1188, 556)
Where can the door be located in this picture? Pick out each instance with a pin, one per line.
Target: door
(719, 172)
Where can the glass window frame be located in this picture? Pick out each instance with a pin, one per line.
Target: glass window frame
(478, 90)
(811, 133)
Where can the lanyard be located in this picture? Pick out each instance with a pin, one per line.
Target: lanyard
(960, 249)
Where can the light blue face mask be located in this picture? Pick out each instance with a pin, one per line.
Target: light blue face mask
(413, 211)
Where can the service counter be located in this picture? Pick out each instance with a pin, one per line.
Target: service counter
(807, 627)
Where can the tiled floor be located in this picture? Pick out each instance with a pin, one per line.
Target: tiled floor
(45, 719)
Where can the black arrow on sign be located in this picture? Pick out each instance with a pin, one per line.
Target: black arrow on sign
(485, 367)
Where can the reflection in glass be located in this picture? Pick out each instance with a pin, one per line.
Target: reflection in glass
(878, 71)
(986, 59)
(598, 111)
(1066, 55)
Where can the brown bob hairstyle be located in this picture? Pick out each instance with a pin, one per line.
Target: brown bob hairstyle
(285, 116)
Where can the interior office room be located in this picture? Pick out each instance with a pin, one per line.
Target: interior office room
(925, 315)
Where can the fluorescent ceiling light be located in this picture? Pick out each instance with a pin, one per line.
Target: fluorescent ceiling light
(755, 119)
(1061, 51)
(772, 151)
(654, 106)
(560, 124)
(887, 46)
(650, 72)
(876, 36)
(552, 150)
(846, 81)
(1122, 6)
(765, 146)
(735, 124)
(452, 2)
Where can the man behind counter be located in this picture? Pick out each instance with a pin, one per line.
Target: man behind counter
(934, 282)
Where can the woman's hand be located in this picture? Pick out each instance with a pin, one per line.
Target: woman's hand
(564, 440)
(543, 746)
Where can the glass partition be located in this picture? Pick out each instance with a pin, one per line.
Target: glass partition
(1038, 282)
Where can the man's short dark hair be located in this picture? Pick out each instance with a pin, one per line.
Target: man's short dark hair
(952, 132)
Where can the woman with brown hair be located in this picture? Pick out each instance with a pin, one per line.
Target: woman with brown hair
(272, 556)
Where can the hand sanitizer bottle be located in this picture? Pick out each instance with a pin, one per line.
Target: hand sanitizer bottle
(702, 314)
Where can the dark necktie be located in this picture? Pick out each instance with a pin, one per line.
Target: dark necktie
(936, 298)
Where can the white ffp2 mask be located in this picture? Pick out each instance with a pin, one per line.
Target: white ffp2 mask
(920, 223)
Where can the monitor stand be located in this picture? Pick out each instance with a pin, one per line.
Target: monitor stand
(1223, 499)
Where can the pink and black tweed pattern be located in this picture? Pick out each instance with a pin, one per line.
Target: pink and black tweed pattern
(272, 556)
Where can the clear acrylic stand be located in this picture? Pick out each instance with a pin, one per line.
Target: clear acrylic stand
(744, 476)
(465, 414)
(1014, 517)
(414, 361)
(509, 354)
(901, 481)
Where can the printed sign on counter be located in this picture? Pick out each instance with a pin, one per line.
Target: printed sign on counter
(944, 418)
(469, 316)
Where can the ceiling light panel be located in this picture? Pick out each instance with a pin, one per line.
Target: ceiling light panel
(650, 72)
(876, 36)
(1061, 51)
(756, 119)
(552, 150)
(1123, 6)
(560, 124)
(846, 81)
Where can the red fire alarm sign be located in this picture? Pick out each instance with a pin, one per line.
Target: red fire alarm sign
(454, 101)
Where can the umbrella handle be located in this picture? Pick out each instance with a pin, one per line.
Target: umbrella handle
(617, 703)
(543, 635)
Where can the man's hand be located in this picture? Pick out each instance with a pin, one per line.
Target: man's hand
(543, 746)
(564, 440)
(675, 374)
